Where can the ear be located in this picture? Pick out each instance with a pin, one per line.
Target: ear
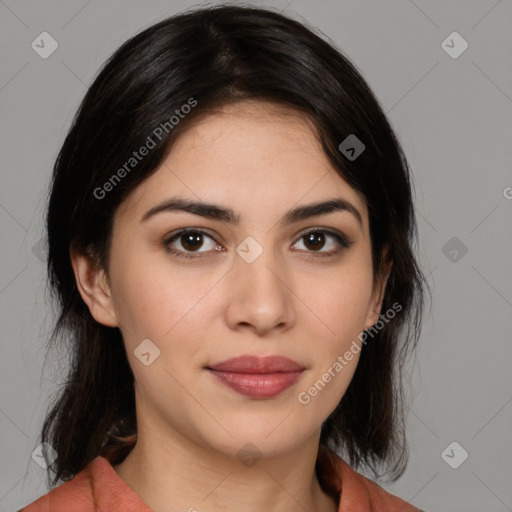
(379, 287)
(92, 284)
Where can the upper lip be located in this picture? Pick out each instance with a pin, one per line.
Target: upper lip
(255, 364)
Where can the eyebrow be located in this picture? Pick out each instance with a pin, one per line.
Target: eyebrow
(216, 212)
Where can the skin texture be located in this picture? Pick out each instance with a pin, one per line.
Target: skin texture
(261, 161)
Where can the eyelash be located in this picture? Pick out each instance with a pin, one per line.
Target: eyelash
(340, 238)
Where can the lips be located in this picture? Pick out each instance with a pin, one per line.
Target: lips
(258, 365)
(257, 377)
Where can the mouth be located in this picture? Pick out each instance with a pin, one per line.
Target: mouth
(257, 377)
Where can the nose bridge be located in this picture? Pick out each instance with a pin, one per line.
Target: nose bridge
(259, 266)
(259, 293)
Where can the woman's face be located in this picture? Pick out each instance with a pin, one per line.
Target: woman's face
(250, 279)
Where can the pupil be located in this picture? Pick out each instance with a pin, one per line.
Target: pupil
(192, 241)
(319, 237)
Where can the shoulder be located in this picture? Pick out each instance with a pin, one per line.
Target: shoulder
(357, 492)
(96, 488)
(73, 495)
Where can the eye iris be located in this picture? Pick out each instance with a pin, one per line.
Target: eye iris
(316, 240)
(191, 241)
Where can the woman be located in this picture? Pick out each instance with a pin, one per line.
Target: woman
(230, 232)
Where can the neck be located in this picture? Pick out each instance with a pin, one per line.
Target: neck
(172, 469)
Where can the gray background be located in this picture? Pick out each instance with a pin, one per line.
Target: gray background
(453, 117)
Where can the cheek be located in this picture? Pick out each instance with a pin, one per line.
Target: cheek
(343, 308)
(139, 293)
(344, 301)
(154, 301)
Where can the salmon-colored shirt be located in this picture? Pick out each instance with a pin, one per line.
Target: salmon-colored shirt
(98, 488)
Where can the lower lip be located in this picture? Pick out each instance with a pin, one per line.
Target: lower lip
(258, 385)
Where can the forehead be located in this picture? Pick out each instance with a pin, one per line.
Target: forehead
(245, 154)
(269, 133)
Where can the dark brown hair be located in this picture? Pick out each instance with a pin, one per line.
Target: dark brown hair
(216, 56)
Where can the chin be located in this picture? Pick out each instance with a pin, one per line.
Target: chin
(261, 437)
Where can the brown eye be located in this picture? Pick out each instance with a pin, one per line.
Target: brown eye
(189, 241)
(318, 239)
(314, 241)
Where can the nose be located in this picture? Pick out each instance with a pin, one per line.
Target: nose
(260, 295)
